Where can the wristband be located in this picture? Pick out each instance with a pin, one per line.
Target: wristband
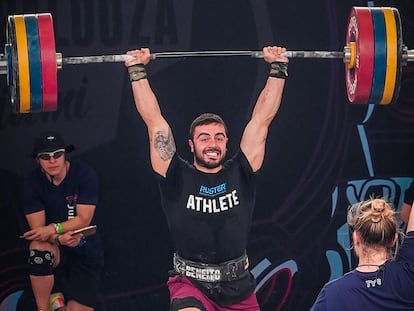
(57, 241)
(279, 70)
(58, 228)
(137, 72)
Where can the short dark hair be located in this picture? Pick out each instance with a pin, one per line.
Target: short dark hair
(206, 118)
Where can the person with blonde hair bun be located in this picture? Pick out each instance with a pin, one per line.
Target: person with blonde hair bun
(384, 276)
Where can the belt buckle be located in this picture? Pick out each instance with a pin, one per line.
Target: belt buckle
(179, 265)
(232, 269)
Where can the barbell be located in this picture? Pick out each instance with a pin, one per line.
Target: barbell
(373, 56)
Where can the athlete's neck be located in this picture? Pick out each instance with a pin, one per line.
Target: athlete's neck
(371, 264)
(207, 169)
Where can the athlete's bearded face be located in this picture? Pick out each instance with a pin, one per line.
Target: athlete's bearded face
(209, 145)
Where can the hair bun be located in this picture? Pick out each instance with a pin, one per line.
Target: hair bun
(377, 210)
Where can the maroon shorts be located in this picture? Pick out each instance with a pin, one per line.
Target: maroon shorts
(181, 287)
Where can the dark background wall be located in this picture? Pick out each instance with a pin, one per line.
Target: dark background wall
(322, 153)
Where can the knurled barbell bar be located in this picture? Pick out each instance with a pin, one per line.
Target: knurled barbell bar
(373, 56)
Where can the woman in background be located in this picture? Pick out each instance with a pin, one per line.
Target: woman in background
(381, 280)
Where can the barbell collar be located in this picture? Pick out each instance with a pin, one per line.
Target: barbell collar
(59, 60)
(407, 55)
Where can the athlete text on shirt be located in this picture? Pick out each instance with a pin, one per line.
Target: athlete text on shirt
(213, 205)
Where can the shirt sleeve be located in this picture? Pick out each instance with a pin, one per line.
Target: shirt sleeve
(32, 201)
(88, 186)
(406, 251)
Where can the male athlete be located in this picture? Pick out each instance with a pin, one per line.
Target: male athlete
(209, 203)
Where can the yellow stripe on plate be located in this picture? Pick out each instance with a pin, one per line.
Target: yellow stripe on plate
(392, 57)
(23, 63)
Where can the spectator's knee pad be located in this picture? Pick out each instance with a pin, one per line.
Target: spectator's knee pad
(41, 262)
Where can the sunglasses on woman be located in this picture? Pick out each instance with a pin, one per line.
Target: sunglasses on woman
(48, 155)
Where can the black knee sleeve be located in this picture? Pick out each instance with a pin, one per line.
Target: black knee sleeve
(186, 302)
(41, 262)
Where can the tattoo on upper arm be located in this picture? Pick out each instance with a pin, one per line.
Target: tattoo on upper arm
(164, 144)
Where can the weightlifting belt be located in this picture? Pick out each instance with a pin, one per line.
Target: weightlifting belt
(226, 271)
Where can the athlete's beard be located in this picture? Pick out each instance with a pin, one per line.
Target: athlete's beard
(205, 164)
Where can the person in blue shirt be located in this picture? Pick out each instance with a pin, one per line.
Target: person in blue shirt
(384, 277)
(60, 196)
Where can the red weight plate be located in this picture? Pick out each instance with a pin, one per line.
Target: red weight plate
(359, 78)
(49, 66)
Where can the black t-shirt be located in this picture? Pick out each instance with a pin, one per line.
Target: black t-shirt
(209, 216)
(59, 202)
